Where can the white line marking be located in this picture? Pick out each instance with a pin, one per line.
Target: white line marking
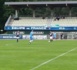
(52, 59)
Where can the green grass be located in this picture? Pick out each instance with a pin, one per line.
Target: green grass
(25, 56)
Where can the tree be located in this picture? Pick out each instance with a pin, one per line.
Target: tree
(1, 14)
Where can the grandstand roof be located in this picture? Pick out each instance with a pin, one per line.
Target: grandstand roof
(44, 3)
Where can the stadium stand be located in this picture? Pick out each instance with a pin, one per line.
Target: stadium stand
(68, 21)
(29, 21)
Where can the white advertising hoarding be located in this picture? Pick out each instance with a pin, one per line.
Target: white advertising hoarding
(39, 37)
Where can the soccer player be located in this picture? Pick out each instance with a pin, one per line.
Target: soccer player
(54, 35)
(17, 35)
(51, 36)
(31, 36)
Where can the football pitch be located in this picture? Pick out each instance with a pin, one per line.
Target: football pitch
(39, 55)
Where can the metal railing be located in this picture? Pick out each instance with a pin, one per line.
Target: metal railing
(8, 20)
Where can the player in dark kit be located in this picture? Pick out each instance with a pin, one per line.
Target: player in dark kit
(17, 35)
(51, 37)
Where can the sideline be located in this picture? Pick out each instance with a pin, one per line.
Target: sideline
(52, 59)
